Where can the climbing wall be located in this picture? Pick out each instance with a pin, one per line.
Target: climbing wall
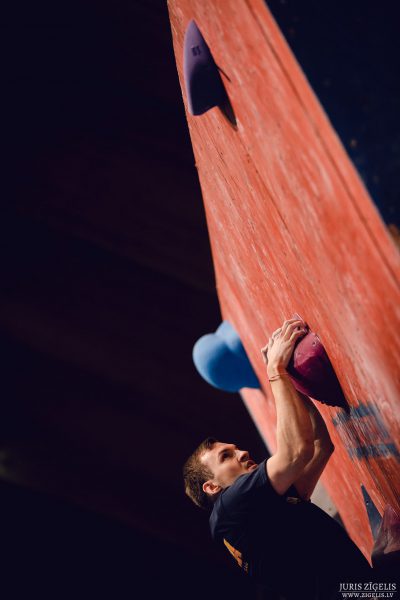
(293, 229)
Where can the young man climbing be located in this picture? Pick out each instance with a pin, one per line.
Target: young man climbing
(263, 513)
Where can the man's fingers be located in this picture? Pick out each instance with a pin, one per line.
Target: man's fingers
(288, 323)
(287, 329)
(284, 327)
(293, 326)
(296, 334)
(277, 331)
(264, 350)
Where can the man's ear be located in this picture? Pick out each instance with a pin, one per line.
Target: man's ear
(211, 488)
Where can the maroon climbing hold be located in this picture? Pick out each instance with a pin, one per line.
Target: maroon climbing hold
(312, 373)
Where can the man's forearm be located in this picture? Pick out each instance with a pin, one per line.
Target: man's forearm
(294, 430)
(320, 430)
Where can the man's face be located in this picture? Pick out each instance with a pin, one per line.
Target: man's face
(227, 463)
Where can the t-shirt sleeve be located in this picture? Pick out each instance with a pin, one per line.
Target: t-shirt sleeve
(251, 487)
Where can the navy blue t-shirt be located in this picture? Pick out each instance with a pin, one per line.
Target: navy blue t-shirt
(290, 545)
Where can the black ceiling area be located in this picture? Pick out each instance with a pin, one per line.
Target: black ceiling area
(107, 282)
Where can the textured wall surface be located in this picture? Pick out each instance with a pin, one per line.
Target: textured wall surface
(293, 229)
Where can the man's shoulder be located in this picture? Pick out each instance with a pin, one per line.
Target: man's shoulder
(248, 482)
(243, 489)
(249, 487)
(233, 496)
(259, 474)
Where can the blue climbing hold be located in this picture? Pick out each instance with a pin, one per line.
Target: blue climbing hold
(221, 360)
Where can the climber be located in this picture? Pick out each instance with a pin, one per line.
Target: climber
(263, 513)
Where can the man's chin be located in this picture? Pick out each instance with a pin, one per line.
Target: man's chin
(252, 466)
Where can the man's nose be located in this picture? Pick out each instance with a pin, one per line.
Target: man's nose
(243, 455)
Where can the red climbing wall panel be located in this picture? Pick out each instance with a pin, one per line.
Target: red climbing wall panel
(293, 229)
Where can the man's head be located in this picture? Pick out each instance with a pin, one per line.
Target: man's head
(211, 468)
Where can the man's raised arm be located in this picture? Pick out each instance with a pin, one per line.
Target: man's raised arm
(294, 429)
(323, 449)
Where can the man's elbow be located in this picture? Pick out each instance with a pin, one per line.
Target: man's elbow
(324, 446)
(331, 448)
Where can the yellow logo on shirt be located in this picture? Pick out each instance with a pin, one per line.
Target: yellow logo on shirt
(237, 555)
(293, 500)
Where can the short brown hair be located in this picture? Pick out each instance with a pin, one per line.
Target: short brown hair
(195, 473)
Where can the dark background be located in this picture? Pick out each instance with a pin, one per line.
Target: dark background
(107, 282)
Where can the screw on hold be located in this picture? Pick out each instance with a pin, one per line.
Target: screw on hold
(196, 51)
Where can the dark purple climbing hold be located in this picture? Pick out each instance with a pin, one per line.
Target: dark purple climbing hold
(374, 516)
(386, 551)
(204, 87)
(312, 373)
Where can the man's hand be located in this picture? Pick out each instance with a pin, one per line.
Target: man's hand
(281, 344)
(294, 432)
